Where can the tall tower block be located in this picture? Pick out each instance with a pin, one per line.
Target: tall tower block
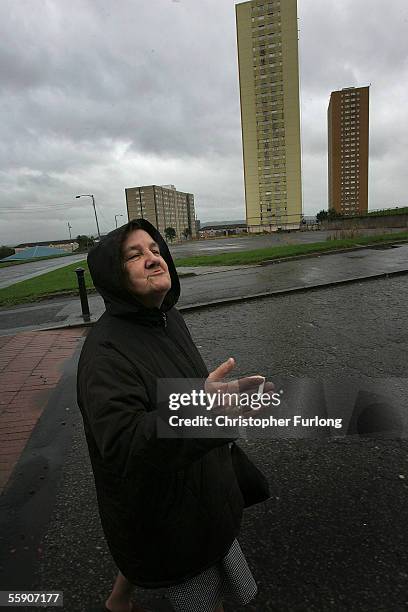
(348, 125)
(267, 38)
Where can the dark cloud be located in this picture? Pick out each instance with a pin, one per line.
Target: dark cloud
(96, 96)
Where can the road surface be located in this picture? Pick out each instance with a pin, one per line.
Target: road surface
(214, 246)
(231, 283)
(14, 274)
(332, 537)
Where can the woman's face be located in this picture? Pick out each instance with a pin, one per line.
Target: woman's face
(147, 272)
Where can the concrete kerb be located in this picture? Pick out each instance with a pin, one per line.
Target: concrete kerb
(255, 296)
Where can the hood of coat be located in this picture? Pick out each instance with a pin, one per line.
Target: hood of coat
(105, 266)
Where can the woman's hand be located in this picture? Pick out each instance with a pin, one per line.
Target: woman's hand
(232, 389)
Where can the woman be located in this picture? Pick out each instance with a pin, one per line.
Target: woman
(170, 508)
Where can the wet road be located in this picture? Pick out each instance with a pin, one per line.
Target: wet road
(15, 274)
(333, 536)
(212, 285)
(291, 274)
(215, 246)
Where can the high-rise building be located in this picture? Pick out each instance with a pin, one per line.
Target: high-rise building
(348, 150)
(164, 207)
(267, 36)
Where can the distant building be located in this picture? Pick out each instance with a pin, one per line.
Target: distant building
(65, 245)
(348, 126)
(267, 35)
(163, 206)
(223, 229)
(309, 219)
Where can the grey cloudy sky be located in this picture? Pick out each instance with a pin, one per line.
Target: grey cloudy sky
(97, 95)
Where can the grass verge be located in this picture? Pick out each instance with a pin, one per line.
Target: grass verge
(48, 284)
(290, 250)
(64, 279)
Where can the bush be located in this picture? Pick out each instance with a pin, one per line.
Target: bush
(6, 251)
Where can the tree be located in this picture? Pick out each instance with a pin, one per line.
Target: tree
(325, 215)
(186, 232)
(5, 251)
(322, 215)
(84, 242)
(332, 214)
(170, 233)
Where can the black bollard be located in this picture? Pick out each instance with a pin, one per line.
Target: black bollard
(80, 272)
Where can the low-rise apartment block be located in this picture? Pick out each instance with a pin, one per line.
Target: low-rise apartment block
(164, 207)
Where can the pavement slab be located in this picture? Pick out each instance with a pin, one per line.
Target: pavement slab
(31, 367)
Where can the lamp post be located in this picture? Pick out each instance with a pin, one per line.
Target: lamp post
(89, 195)
(70, 237)
(116, 220)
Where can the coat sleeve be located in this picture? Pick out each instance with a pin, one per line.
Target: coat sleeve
(123, 422)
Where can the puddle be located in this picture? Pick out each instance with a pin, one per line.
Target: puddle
(384, 247)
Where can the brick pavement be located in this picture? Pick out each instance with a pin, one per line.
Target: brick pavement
(31, 365)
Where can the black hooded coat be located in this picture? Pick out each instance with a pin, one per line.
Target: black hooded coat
(169, 508)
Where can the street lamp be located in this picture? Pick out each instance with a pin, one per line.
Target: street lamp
(89, 195)
(116, 220)
(70, 237)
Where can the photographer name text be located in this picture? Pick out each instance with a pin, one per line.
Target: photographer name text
(251, 421)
